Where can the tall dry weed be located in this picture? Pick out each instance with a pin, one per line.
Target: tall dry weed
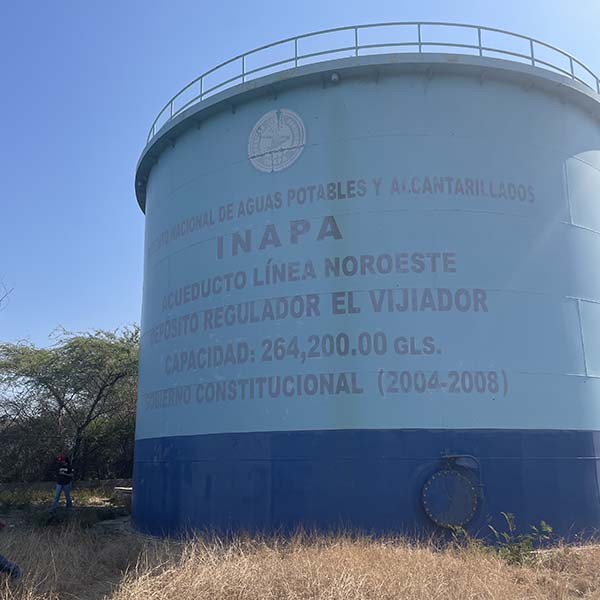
(344, 567)
(70, 563)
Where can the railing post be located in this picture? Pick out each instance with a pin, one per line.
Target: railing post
(479, 41)
(532, 54)
(598, 85)
(356, 41)
(295, 52)
(243, 68)
(419, 35)
(572, 68)
(201, 88)
(171, 107)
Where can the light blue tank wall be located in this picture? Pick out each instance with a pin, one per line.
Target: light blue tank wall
(498, 180)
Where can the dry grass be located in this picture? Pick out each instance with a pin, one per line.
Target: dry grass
(41, 495)
(65, 562)
(71, 563)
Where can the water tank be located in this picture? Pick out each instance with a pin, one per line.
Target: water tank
(371, 293)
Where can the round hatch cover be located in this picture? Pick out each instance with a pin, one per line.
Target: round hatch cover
(449, 498)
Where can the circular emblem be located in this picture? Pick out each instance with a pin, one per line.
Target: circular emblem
(276, 141)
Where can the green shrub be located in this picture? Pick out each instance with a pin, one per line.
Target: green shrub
(517, 548)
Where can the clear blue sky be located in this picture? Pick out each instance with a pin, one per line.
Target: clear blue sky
(80, 85)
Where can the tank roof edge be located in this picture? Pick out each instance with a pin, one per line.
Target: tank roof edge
(426, 63)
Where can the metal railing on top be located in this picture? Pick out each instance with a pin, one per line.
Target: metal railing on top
(408, 36)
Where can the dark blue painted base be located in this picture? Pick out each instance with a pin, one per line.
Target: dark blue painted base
(363, 479)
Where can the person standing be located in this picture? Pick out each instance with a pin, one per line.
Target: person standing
(64, 480)
(6, 566)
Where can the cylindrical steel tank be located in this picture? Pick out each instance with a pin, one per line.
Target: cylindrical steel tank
(371, 298)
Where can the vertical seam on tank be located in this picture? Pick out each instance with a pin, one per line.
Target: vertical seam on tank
(578, 301)
(582, 336)
(567, 194)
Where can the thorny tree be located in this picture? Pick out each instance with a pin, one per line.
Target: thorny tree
(81, 380)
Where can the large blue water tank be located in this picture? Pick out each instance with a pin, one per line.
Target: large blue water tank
(371, 299)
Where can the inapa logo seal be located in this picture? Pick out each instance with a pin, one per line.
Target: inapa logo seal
(276, 141)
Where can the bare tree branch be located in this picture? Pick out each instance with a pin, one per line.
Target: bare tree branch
(5, 292)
